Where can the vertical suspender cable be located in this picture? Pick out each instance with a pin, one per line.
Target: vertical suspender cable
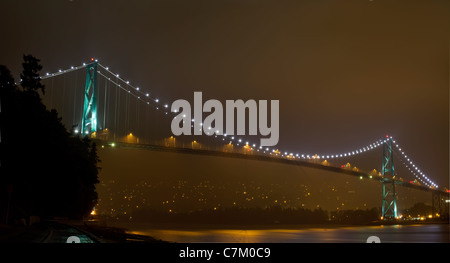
(63, 108)
(80, 120)
(104, 106)
(136, 106)
(116, 111)
(74, 101)
(51, 96)
(127, 111)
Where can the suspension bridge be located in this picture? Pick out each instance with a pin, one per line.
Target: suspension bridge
(97, 102)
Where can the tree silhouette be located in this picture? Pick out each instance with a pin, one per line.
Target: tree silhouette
(30, 76)
(50, 172)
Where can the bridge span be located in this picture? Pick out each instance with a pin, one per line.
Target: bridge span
(438, 196)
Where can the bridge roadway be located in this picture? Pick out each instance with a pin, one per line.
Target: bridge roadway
(265, 158)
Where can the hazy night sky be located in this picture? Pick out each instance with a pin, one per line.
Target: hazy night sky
(346, 73)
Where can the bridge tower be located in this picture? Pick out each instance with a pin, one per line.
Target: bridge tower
(89, 119)
(389, 208)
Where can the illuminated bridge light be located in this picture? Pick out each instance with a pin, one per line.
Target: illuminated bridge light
(419, 174)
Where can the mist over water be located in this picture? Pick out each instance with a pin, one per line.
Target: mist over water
(133, 179)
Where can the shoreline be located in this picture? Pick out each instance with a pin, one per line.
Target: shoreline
(134, 232)
(130, 226)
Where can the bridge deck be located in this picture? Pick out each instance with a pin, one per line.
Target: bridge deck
(265, 158)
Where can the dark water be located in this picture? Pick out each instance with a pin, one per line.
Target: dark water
(434, 233)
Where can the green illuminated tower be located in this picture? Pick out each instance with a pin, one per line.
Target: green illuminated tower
(389, 208)
(89, 121)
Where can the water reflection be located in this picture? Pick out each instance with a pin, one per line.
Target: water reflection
(359, 234)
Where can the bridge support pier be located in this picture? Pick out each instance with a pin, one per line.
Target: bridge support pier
(389, 206)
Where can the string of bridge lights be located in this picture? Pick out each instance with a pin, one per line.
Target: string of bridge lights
(210, 131)
(60, 71)
(412, 167)
(147, 98)
(239, 141)
(312, 156)
(418, 178)
(136, 89)
(144, 96)
(403, 158)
